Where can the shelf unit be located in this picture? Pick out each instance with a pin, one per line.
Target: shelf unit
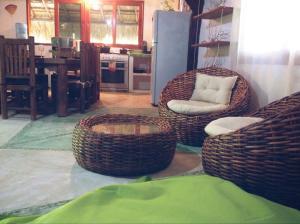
(212, 44)
(140, 82)
(218, 12)
(215, 13)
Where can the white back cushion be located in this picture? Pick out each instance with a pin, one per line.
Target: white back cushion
(213, 89)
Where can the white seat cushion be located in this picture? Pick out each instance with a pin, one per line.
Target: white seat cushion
(229, 124)
(194, 107)
(213, 89)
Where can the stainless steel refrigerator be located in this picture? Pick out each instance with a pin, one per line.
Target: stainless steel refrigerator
(169, 48)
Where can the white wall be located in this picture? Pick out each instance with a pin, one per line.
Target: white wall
(149, 7)
(268, 82)
(7, 27)
(222, 56)
(269, 79)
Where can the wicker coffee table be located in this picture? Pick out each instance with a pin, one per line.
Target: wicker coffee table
(123, 145)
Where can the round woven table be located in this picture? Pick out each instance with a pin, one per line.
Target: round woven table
(123, 145)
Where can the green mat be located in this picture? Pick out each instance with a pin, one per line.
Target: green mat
(55, 133)
(188, 199)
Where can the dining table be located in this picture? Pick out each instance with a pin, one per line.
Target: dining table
(61, 66)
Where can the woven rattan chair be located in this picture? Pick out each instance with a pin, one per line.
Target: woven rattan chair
(190, 128)
(263, 158)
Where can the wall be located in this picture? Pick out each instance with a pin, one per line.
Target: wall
(271, 70)
(149, 7)
(8, 21)
(268, 82)
(221, 56)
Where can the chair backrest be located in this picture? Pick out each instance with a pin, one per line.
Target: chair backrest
(241, 90)
(17, 59)
(95, 69)
(89, 62)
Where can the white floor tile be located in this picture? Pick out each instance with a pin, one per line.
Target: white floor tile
(32, 177)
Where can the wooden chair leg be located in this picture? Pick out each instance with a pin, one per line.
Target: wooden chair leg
(3, 95)
(94, 92)
(45, 99)
(33, 106)
(98, 90)
(82, 98)
(53, 90)
(19, 97)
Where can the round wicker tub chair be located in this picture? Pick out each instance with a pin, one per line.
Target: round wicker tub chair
(190, 128)
(262, 158)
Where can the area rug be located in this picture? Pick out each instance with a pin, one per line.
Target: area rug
(46, 143)
(55, 133)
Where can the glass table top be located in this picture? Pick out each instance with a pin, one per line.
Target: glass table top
(126, 128)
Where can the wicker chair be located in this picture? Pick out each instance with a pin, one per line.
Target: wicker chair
(263, 158)
(190, 128)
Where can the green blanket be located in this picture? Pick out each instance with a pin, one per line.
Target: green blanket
(187, 199)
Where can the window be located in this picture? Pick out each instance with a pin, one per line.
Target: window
(268, 39)
(69, 20)
(101, 24)
(41, 22)
(127, 26)
(116, 23)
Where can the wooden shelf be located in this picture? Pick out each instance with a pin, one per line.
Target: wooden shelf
(215, 13)
(212, 44)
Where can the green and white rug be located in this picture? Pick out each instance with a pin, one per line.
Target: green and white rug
(55, 133)
(38, 170)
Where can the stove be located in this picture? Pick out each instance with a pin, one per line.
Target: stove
(116, 57)
(114, 72)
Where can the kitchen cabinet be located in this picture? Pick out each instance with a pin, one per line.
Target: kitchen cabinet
(140, 73)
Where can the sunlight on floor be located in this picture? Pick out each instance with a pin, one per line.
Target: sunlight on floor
(129, 100)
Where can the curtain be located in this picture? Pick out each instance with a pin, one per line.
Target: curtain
(269, 48)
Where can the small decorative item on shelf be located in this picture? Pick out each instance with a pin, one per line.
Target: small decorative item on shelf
(21, 31)
(144, 46)
(11, 8)
(215, 4)
(216, 34)
(105, 49)
(167, 5)
(123, 51)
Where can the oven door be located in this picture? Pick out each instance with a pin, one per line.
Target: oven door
(114, 75)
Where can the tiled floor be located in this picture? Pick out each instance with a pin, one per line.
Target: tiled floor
(10, 127)
(35, 177)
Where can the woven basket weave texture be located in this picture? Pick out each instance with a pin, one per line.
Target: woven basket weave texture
(263, 158)
(190, 128)
(123, 154)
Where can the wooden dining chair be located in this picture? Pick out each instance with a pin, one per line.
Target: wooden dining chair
(83, 87)
(19, 84)
(88, 84)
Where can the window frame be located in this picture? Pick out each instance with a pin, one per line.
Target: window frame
(85, 19)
